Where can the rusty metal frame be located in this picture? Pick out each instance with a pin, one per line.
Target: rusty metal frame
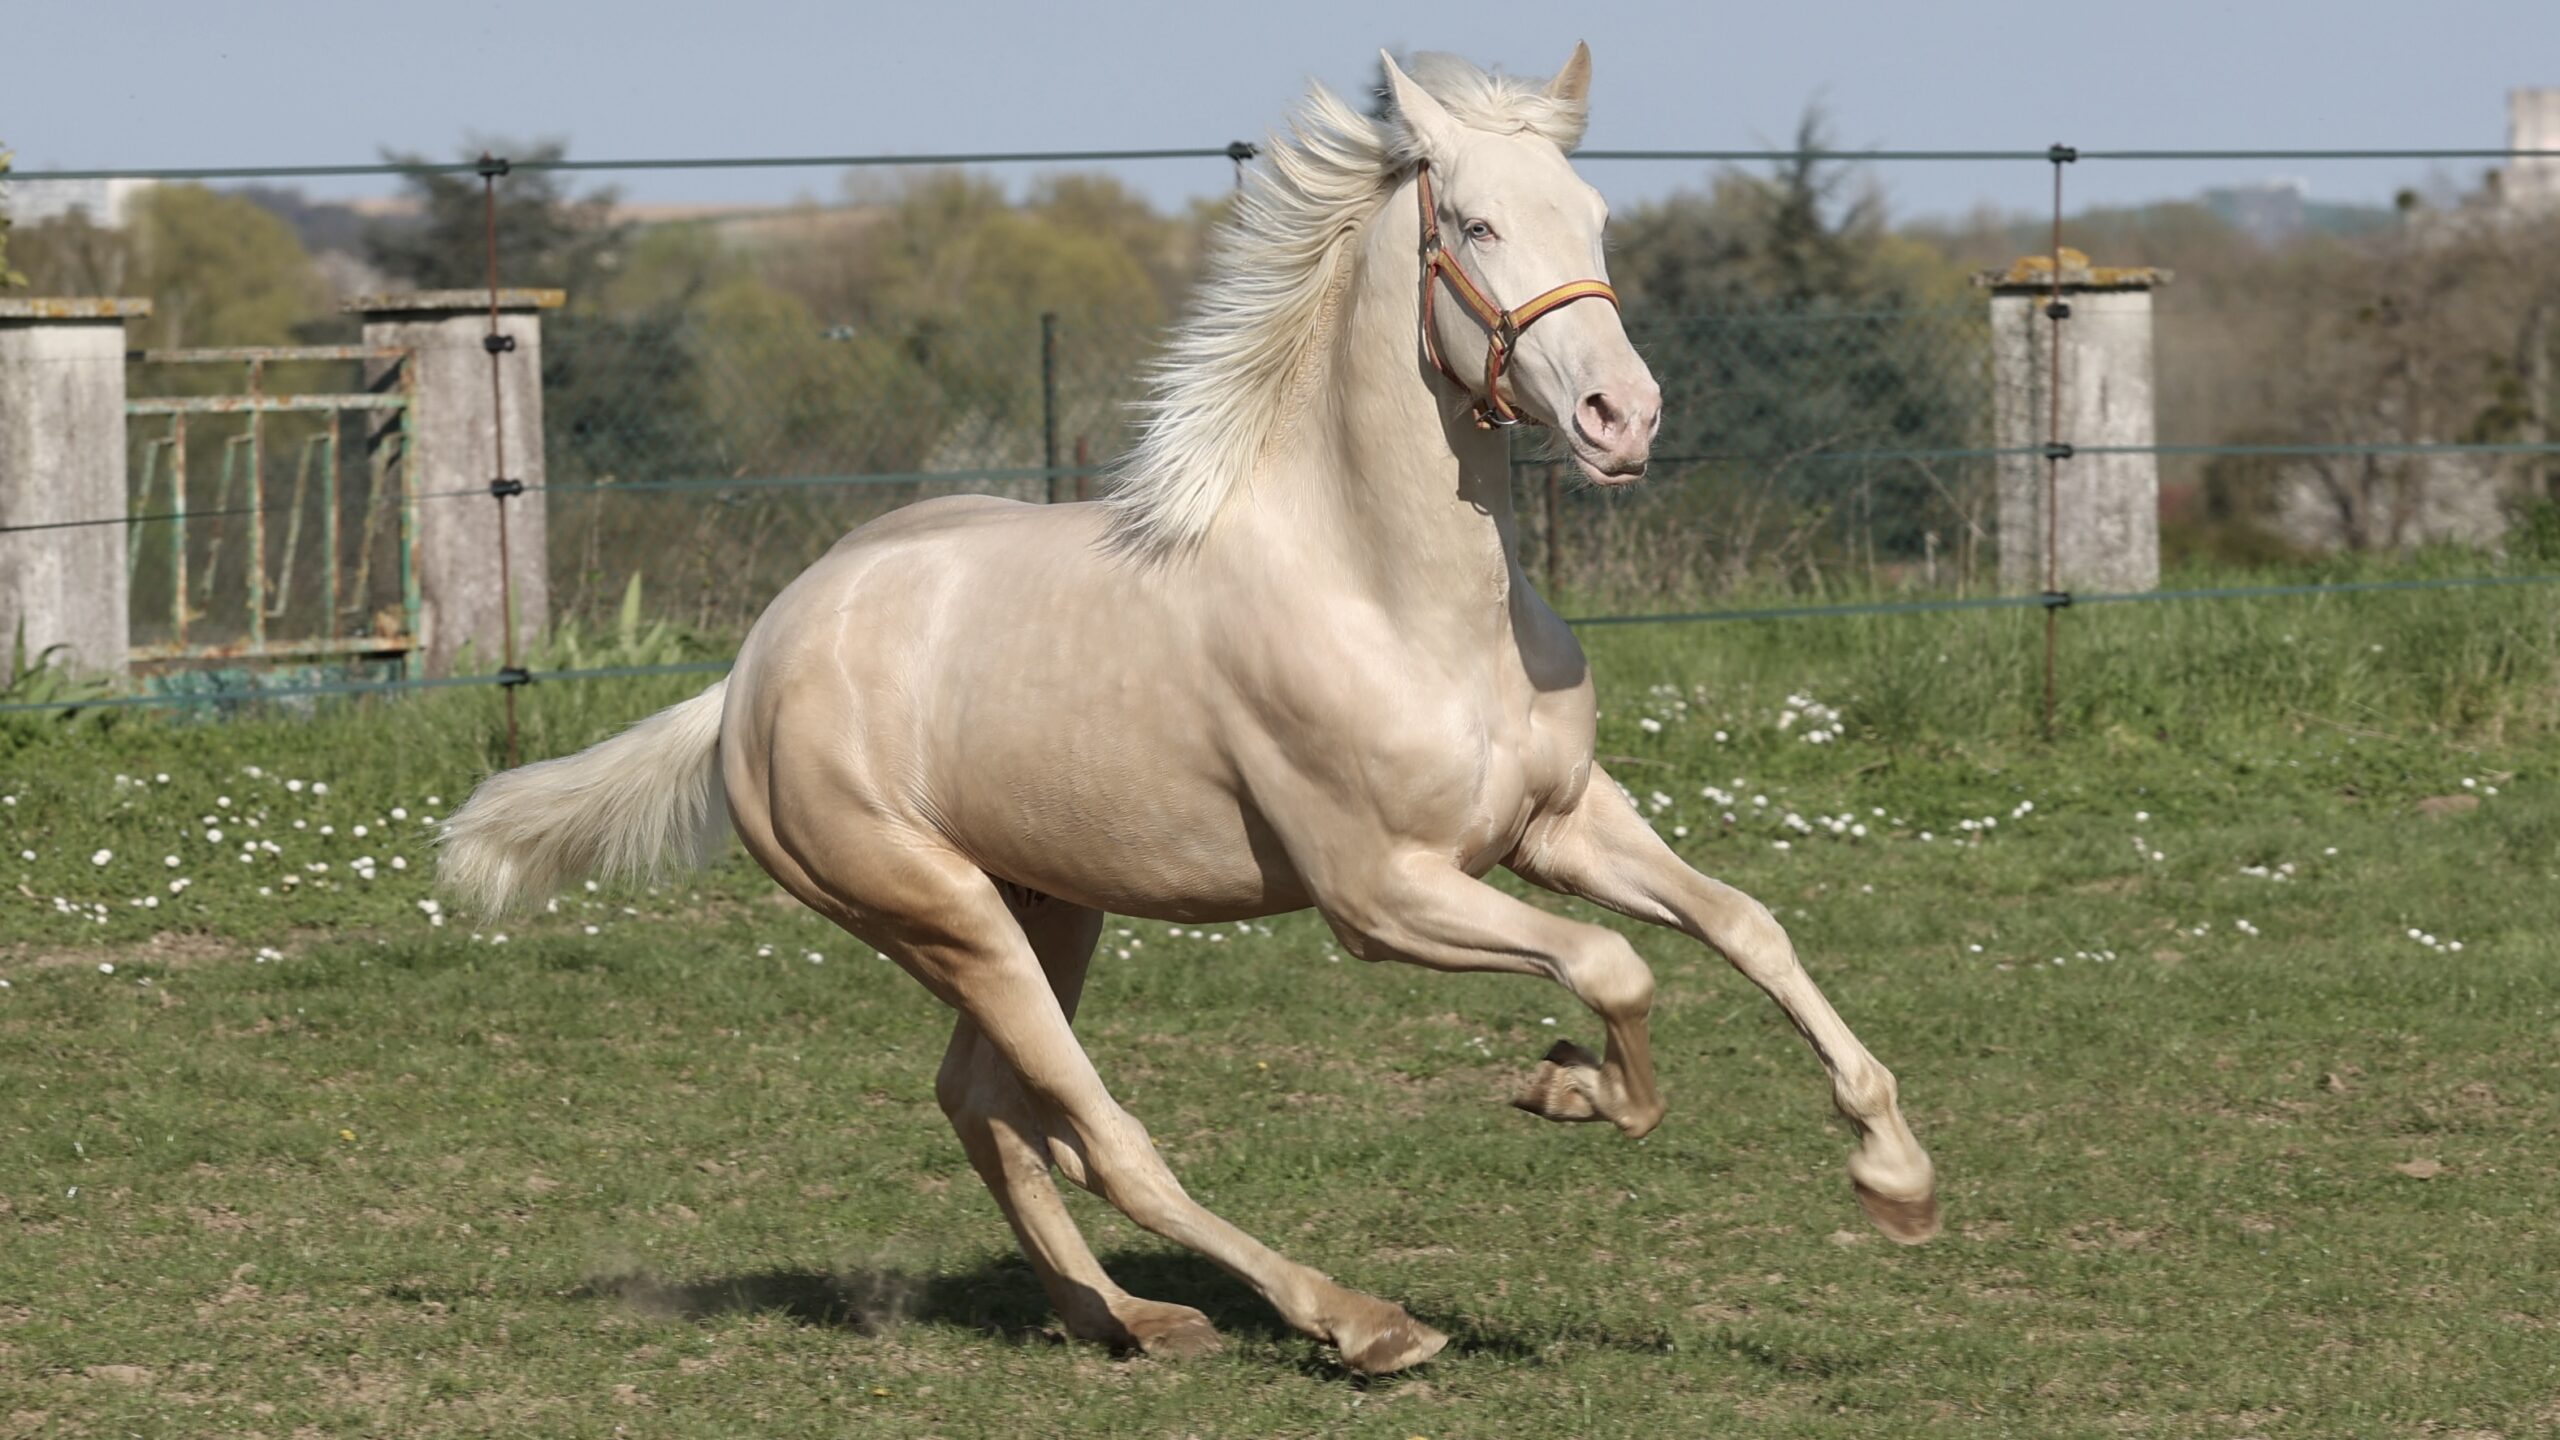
(391, 445)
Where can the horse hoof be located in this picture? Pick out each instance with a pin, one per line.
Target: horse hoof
(1905, 1222)
(1166, 1331)
(1382, 1347)
(1560, 1088)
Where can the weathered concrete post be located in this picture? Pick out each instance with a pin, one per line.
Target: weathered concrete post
(62, 457)
(460, 590)
(2107, 506)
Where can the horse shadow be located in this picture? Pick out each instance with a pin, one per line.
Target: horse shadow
(1002, 1299)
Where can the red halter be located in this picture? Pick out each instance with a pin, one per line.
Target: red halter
(1502, 327)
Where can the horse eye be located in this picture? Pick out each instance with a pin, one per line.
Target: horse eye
(1478, 230)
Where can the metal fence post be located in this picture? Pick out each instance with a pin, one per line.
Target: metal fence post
(1049, 400)
(62, 458)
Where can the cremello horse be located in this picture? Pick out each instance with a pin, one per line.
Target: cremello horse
(1292, 662)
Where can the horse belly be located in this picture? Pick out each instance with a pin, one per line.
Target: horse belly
(1141, 839)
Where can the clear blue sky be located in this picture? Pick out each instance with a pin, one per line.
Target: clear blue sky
(183, 82)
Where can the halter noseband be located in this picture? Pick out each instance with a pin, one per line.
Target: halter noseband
(1502, 327)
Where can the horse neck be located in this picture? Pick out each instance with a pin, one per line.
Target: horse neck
(1384, 473)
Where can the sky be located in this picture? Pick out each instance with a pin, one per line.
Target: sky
(222, 82)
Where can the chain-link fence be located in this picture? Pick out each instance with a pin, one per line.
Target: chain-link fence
(715, 461)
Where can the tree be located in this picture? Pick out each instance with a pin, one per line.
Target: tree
(8, 277)
(1786, 323)
(217, 269)
(547, 236)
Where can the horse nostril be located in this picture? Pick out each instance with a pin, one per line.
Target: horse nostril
(1599, 419)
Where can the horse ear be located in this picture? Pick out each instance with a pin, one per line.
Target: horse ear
(1572, 85)
(1433, 128)
(1571, 92)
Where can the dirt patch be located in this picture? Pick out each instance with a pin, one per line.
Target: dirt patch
(168, 949)
(2437, 807)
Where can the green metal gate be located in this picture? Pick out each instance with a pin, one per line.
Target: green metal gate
(259, 532)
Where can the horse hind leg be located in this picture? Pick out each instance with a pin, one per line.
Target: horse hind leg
(1011, 1154)
(952, 931)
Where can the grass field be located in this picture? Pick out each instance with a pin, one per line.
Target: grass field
(2232, 1018)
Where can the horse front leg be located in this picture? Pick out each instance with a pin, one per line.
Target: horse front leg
(1420, 909)
(1604, 852)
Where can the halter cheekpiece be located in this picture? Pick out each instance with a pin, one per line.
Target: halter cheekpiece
(1502, 327)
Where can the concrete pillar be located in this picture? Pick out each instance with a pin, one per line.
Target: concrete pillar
(2108, 506)
(2531, 183)
(62, 457)
(460, 590)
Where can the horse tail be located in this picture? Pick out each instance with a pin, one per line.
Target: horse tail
(636, 805)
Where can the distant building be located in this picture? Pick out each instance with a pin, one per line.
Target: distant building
(108, 203)
(2533, 123)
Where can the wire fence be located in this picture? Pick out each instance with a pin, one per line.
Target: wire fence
(711, 460)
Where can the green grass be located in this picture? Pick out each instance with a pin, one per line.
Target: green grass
(673, 1178)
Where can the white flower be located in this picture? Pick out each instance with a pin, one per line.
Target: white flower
(102, 857)
(399, 863)
(398, 813)
(294, 785)
(169, 860)
(213, 837)
(106, 967)
(319, 787)
(1649, 725)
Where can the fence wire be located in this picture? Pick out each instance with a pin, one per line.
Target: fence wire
(711, 461)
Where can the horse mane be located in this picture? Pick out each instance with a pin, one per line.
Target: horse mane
(1232, 373)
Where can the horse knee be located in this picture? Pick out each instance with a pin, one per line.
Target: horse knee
(1606, 974)
(1755, 942)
